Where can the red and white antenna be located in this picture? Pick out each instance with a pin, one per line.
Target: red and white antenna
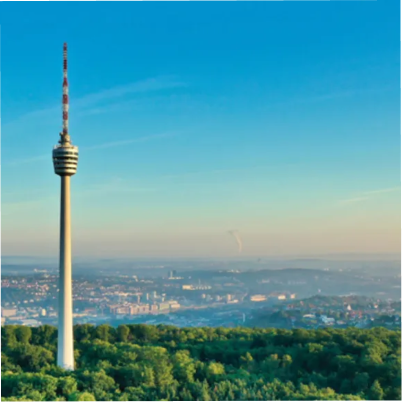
(64, 134)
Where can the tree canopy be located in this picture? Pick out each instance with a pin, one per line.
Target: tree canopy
(142, 362)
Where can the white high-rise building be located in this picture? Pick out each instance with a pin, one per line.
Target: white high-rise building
(65, 160)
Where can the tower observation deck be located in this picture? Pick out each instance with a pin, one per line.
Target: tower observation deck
(65, 160)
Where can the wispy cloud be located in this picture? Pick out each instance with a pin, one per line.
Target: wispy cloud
(87, 105)
(131, 141)
(96, 146)
(107, 95)
(366, 195)
(218, 171)
(331, 96)
(384, 190)
(12, 207)
(115, 185)
(23, 192)
(353, 200)
(121, 106)
(34, 159)
(148, 85)
(107, 188)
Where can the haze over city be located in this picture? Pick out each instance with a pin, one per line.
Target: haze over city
(190, 127)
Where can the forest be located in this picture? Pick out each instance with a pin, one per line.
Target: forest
(143, 362)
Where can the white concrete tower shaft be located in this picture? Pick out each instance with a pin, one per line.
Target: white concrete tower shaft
(65, 351)
(65, 160)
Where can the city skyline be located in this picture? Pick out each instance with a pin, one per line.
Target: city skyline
(289, 137)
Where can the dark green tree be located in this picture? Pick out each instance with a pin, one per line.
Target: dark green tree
(376, 393)
(123, 331)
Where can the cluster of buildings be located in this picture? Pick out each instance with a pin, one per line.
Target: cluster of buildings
(313, 314)
(130, 309)
(29, 316)
(185, 298)
(274, 296)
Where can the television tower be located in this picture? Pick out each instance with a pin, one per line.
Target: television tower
(65, 160)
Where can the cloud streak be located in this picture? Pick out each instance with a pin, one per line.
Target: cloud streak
(384, 190)
(109, 187)
(9, 208)
(34, 159)
(116, 184)
(112, 188)
(366, 195)
(217, 171)
(330, 96)
(91, 100)
(131, 141)
(148, 85)
(93, 147)
(353, 200)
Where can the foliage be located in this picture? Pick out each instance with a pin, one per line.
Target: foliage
(141, 362)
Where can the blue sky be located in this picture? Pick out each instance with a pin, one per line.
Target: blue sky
(280, 120)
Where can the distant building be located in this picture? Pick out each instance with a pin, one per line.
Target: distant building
(258, 298)
(277, 296)
(196, 287)
(327, 320)
(120, 309)
(128, 309)
(153, 308)
(8, 312)
(3, 320)
(90, 311)
(164, 307)
(174, 305)
(312, 316)
(133, 309)
(143, 309)
(30, 323)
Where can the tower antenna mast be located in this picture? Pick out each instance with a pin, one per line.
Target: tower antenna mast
(65, 138)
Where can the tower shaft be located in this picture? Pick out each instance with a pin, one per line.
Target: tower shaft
(65, 352)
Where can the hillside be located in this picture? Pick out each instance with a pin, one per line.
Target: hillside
(140, 362)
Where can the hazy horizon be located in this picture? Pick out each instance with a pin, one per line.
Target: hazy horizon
(368, 257)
